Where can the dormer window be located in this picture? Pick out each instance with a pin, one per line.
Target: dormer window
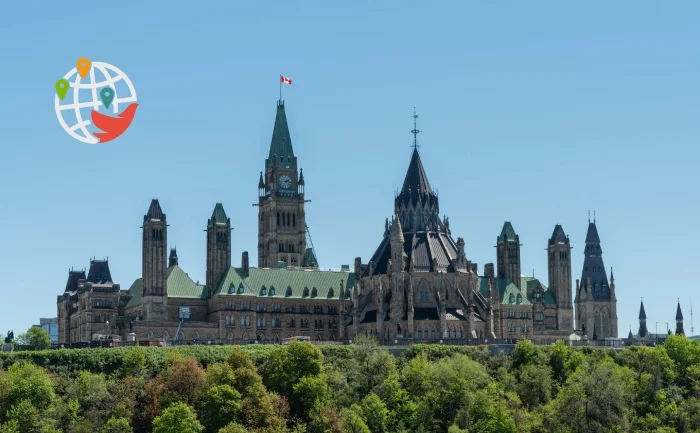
(306, 292)
(314, 292)
(272, 291)
(520, 299)
(263, 291)
(289, 291)
(330, 292)
(511, 299)
(240, 289)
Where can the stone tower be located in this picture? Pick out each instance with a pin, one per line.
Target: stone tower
(281, 222)
(218, 248)
(642, 322)
(154, 274)
(595, 301)
(508, 254)
(559, 262)
(679, 320)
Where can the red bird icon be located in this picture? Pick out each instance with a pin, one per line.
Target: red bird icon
(113, 127)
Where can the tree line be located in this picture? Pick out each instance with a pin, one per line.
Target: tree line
(360, 388)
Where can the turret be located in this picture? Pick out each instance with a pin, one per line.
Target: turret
(154, 263)
(642, 321)
(559, 261)
(679, 320)
(218, 248)
(508, 254)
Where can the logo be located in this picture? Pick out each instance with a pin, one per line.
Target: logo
(88, 100)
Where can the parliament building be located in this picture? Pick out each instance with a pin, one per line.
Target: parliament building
(419, 284)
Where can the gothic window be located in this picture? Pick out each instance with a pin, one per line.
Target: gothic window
(278, 218)
(318, 309)
(294, 220)
(245, 338)
(229, 339)
(149, 336)
(165, 336)
(419, 333)
(460, 334)
(228, 320)
(210, 337)
(195, 336)
(432, 333)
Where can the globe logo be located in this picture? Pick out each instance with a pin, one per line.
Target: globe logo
(89, 99)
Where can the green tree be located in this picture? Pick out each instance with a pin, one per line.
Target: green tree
(36, 338)
(352, 422)
(117, 425)
(184, 380)
(220, 406)
(32, 383)
(285, 366)
(220, 373)
(239, 358)
(374, 413)
(375, 364)
(233, 428)
(535, 387)
(134, 361)
(27, 416)
(310, 393)
(177, 418)
(11, 426)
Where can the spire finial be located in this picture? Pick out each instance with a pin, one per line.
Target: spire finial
(589, 216)
(415, 130)
(593, 216)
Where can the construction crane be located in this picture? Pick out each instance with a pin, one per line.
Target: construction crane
(311, 242)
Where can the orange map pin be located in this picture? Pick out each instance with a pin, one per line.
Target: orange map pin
(83, 66)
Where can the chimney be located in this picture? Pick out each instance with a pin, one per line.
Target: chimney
(244, 264)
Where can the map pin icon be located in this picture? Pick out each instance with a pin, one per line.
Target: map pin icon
(83, 66)
(107, 95)
(62, 87)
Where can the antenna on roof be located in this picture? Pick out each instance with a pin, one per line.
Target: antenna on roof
(692, 328)
(415, 130)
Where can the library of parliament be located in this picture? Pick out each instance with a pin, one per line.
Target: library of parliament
(418, 285)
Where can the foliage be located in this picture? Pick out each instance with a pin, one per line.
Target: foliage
(358, 388)
(36, 338)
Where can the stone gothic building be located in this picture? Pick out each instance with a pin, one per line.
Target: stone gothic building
(418, 285)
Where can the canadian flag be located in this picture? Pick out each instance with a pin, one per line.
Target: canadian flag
(286, 80)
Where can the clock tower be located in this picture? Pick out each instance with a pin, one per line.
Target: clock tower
(281, 218)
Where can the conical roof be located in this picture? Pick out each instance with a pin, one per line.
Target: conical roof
(642, 313)
(154, 211)
(416, 179)
(592, 235)
(396, 230)
(219, 215)
(558, 236)
(509, 232)
(281, 151)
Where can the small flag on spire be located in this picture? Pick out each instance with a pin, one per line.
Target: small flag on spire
(285, 80)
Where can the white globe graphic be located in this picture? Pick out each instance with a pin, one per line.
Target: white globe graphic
(73, 112)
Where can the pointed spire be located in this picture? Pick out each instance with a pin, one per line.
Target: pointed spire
(508, 232)
(630, 336)
(218, 217)
(261, 183)
(281, 151)
(396, 230)
(642, 313)
(592, 234)
(301, 176)
(679, 313)
(154, 211)
(416, 180)
(172, 260)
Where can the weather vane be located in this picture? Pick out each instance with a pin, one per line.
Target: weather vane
(415, 130)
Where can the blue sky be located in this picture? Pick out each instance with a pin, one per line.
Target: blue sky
(532, 112)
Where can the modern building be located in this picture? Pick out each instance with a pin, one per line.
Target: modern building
(50, 326)
(418, 285)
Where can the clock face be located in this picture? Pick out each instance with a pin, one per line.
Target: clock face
(285, 182)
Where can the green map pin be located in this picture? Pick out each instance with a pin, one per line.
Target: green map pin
(106, 95)
(62, 87)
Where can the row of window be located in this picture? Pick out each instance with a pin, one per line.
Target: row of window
(512, 327)
(287, 219)
(510, 314)
(277, 308)
(273, 292)
(230, 321)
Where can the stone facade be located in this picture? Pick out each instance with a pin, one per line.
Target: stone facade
(418, 285)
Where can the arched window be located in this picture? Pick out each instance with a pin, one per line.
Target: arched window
(460, 335)
(272, 290)
(180, 336)
(432, 333)
(306, 292)
(229, 338)
(149, 336)
(511, 299)
(195, 336)
(419, 333)
(289, 291)
(166, 336)
(245, 338)
(228, 320)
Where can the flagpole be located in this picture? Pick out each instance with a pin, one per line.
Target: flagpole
(280, 88)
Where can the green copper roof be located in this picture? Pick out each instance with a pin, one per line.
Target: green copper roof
(507, 231)
(180, 285)
(506, 288)
(281, 145)
(285, 283)
(219, 215)
(309, 260)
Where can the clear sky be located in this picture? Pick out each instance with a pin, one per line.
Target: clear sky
(532, 112)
